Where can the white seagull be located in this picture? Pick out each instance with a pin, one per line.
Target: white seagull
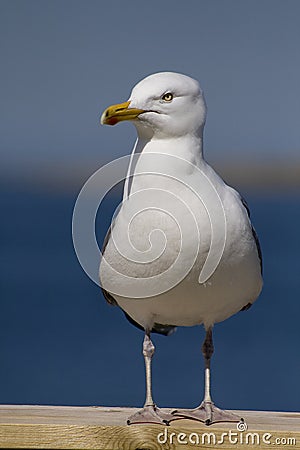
(181, 251)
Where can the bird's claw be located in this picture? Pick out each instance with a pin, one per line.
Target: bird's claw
(207, 413)
(151, 414)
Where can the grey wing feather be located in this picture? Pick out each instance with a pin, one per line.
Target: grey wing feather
(258, 247)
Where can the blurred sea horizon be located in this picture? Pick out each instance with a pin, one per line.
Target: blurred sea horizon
(250, 175)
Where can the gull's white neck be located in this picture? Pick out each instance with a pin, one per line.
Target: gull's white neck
(188, 147)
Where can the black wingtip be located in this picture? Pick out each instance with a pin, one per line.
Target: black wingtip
(246, 307)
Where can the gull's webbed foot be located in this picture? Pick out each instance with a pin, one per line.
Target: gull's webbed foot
(151, 414)
(207, 413)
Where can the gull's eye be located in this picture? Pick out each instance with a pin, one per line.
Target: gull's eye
(168, 97)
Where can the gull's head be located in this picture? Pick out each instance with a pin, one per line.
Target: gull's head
(164, 105)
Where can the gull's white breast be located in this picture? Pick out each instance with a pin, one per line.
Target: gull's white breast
(159, 243)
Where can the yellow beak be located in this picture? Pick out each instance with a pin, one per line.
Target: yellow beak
(116, 113)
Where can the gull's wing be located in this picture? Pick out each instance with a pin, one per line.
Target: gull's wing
(258, 247)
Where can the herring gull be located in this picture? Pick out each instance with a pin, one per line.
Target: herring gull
(181, 251)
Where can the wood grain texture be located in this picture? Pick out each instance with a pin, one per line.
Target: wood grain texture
(53, 427)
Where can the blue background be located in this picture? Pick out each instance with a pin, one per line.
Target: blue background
(62, 63)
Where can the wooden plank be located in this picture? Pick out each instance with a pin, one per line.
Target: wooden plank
(62, 427)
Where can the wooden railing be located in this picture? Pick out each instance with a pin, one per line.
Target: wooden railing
(63, 427)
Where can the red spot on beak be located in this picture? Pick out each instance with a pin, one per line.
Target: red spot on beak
(112, 121)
